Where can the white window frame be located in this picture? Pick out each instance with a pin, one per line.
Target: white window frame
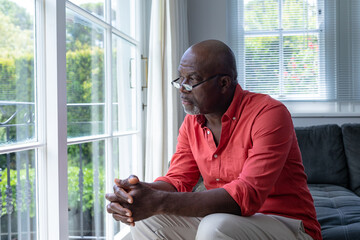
(341, 54)
(52, 182)
(280, 33)
(51, 145)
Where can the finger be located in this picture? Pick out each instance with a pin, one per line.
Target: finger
(122, 194)
(133, 179)
(126, 183)
(111, 197)
(126, 220)
(116, 208)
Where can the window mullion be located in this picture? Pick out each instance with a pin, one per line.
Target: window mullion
(242, 53)
(281, 50)
(109, 226)
(56, 117)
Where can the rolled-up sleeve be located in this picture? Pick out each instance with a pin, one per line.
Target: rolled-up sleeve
(272, 136)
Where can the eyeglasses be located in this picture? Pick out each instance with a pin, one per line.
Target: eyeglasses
(189, 87)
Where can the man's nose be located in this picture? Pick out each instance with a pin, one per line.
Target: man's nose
(182, 88)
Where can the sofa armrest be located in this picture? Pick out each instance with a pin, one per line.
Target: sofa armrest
(351, 138)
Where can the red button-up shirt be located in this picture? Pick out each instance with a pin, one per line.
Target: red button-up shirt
(257, 160)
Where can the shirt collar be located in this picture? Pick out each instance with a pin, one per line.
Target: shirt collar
(233, 111)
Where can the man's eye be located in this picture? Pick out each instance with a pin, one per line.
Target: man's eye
(188, 79)
(193, 79)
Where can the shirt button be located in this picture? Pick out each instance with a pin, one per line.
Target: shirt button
(234, 118)
(215, 155)
(217, 179)
(208, 132)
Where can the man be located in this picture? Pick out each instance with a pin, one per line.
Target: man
(244, 146)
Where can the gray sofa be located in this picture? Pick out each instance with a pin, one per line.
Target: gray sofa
(331, 157)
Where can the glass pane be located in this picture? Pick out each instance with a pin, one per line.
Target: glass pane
(18, 195)
(17, 84)
(261, 15)
(300, 14)
(301, 66)
(86, 189)
(123, 159)
(85, 76)
(96, 7)
(123, 16)
(262, 64)
(124, 85)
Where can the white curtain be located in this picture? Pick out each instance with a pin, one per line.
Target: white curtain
(168, 40)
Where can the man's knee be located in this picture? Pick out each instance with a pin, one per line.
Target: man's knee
(165, 227)
(258, 226)
(214, 226)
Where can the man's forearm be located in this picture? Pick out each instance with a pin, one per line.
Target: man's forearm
(162, 198)
(163, 186)
(198, 204)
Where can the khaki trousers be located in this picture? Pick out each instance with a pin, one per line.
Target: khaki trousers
(219, 226)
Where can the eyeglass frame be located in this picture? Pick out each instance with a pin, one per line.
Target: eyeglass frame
(189, 87)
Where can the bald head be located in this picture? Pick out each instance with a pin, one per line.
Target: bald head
(209, 67)
(214, 55)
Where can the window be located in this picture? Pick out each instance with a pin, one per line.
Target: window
(290, 49)
(20, 140)
(64, 138)
(103, 127)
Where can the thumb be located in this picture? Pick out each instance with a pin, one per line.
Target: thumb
(133, 179)
(126, 183)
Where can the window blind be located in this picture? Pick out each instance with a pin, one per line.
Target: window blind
(293, 49)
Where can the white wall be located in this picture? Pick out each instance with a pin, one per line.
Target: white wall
(207, 19)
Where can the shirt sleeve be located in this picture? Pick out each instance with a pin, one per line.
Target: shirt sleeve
(272, 135)
(183, 173)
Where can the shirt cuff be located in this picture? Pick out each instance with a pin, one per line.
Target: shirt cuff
(237, 192)
(170, 181)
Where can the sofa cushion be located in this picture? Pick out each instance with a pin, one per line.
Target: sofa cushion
(323, 154)
(337, 210)
(351, 138)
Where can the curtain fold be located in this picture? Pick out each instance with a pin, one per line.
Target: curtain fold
(167, 42)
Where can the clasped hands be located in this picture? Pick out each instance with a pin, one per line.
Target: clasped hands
(131, 200)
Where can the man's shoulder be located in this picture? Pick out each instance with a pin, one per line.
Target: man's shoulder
(260, 100)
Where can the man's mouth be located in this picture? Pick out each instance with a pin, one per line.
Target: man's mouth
(185, 101)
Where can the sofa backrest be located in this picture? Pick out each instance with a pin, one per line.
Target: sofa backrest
(323, 154)
(351, 138)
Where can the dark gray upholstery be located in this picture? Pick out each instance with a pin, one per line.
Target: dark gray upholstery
(323, 154)
(337, 210)
(351, 137)
(331, 156)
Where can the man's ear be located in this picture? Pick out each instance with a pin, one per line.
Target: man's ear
(225, 83)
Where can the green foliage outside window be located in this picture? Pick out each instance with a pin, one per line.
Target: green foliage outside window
(292, 70)
(28, 190)
(85, 74)
(80, 92)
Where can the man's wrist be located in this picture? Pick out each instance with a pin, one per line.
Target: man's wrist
(162, 199)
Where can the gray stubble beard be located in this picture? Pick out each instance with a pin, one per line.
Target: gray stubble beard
(195, 111)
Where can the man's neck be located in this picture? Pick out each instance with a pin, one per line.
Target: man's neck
(213, 122)
(214, 119)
